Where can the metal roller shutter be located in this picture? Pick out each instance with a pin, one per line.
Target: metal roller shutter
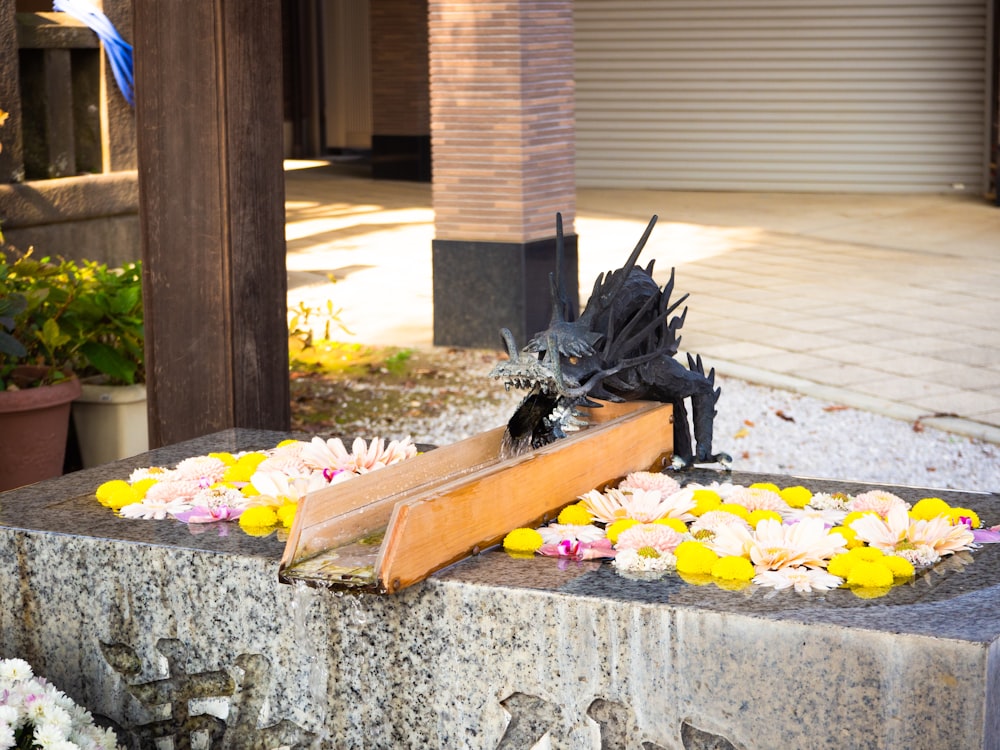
(783, 95)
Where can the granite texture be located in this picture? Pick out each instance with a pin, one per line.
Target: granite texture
(165, 633)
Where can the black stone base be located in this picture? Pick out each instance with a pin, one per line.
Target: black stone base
(401, 157)
(481, 287)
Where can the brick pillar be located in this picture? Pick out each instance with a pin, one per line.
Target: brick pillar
(503, 148)
(401, 120)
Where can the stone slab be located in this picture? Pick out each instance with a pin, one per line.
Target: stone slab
(154, 624)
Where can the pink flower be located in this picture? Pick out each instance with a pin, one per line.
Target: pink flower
(648, 480)
(878, 501)
(653, 535)
(577, 550)
(758, 498)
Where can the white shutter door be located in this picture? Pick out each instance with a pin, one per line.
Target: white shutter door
(796, 95)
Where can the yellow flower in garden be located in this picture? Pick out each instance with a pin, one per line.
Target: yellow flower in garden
(930, 508)
(733, 568)
(522, 541)
(797, 497)
(695, 557)
(257, 516)
(705, 500)
(756, 516)
(957, 514)
(870, 574)
(286, 514)
(674, 523)
(115, 494)
(736, 509)
(618, 527)
(575, 515)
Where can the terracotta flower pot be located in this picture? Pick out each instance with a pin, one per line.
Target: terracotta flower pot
(34, 423)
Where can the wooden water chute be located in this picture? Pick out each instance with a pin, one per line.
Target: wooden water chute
(391, 528)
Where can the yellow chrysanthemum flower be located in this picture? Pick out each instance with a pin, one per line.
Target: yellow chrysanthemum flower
(244, 468)
(850, 536)
(797, 497)
(957, 514)
(575, 515)
(867, 554)
(618, 527)
(840, 565)
(140, 488)
(257, 530)
(522, 541)
(287, 442)
(249, 490)
(756, 516)
(258, 515)
(869, 574)
(930, 508)
(900, 566)
(695, 557)
(733, 568)
(736, 509)
(674, 523)
(115, 494)
(705, 500)
(765, 486)
(286, 514)
(227, 458)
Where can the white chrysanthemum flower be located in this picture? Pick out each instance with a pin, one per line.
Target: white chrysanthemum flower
(8, 714)
(216, 498)
(800, 578)
(641, 505)
(773, 545)
(559, 532)
(901, 535)
(204, 469)
(151, 472)
(879, 501)
(722, 489)
(284, 488)
(47, 735)
(649, 480)
(650, 536)
(152, 509)
(829, 516)
(361, 459)
(826, 501)
(13, 670)
(633, 561)
(758, 498)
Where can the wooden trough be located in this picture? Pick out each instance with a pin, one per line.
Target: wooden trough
(391, 528)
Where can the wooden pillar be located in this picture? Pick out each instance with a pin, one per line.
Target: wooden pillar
(116, 115)
(11, 156)
(211, 202)
(502, 145)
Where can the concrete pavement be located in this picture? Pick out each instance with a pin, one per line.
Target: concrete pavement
(888, 303)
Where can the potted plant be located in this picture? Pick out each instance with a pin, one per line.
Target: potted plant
(36, 380)
(110, 416)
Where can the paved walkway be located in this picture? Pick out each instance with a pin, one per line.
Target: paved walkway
(885, 303)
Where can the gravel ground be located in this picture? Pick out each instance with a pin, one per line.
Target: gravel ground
(445, 395)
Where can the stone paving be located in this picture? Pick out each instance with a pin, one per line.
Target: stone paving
(884, 303)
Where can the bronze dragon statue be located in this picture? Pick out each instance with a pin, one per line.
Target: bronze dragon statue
(620, 348)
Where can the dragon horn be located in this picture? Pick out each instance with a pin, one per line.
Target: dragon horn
(557, 285)
(508, 340)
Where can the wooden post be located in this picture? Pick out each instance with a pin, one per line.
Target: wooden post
(11, 158)
(211, 202)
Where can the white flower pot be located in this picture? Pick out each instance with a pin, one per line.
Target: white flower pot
(110, 423)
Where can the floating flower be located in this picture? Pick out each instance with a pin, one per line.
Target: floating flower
(559, 532)
(576, 514)
(642, 505)
(648, 480)
(577, 550)
(874, 574)
(656, 537)
(206, 470)
(827, 501)
(801, 579)
(615, 529)
(695, 557)
(796, 497)
(733, 568)
(758, 498)
(706, 526)
(284, 488)
(115, 494)
(876, 501)
(829, 516)
(705, 500)
(153, 508)
(965, 516)
(258, 516)
(524, 541)
(919, 541)
(214, 504)
(361, 459)
(645, 560)
(773, 545)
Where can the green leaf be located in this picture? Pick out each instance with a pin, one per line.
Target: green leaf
(110, 362)
(11, 346)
